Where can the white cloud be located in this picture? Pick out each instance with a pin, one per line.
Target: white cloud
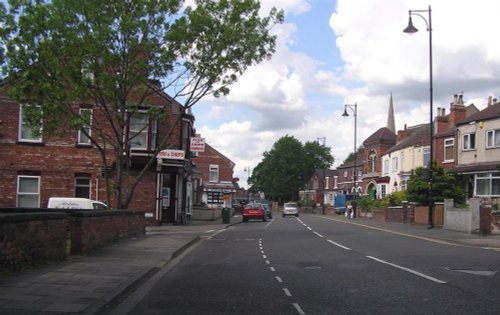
(299, 95)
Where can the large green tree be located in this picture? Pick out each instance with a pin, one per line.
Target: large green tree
(116, 53)
(445, 185)
(286, 168)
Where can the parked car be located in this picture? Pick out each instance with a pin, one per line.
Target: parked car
(254, 211)
(290, 208)
(75, 203)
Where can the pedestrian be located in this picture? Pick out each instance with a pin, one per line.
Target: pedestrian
(349, 213)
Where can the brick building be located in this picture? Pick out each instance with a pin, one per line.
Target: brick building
(213, 179)
(34, 168)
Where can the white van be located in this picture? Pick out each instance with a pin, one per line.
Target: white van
(75, 203)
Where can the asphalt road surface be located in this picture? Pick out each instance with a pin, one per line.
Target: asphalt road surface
(315, 265)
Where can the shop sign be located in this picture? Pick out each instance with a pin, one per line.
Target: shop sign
(171, 154)
(197, 144)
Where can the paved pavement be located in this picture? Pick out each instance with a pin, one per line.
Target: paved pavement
(95, 283)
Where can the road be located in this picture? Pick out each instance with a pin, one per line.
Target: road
(315, 265)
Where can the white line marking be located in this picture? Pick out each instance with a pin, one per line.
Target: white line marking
(407, 269)
(268, 262)
(272, 269)
(264, 256)
(272, 220)
(262, 252)
(279, 279)
(287, 292)
(337, 244)
(309, 229)
(318, 234)
(299, 309)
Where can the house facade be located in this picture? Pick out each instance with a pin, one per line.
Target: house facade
(213, 179)
(37, 167)
(478, 148)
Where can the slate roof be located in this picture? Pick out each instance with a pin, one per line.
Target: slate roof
(415, 137)
(383, 135)
(490, 112)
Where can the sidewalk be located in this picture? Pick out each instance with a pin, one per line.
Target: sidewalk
(95, 283)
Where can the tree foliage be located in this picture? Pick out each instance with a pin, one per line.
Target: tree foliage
(444, 186)
(287, 167)
(115, 54)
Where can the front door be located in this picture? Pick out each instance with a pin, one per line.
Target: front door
(168, 196)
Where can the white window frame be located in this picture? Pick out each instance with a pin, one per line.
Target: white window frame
(24, 128)
(135, 134)
(469, 142)
(386, 166)
(488, 178)
(213, 173)
(426, 155)
(21, 193)
(335, 182)
(89, 186)
(449, 143)
(87, 128)
(327, 182)
(492, 137)
(395, 164)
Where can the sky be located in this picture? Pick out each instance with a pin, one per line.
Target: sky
(331, 53)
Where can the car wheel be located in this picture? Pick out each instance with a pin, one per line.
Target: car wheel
(297, 215)
(245, 219)
(264, 219)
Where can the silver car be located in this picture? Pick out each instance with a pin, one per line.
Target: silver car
(290, 208)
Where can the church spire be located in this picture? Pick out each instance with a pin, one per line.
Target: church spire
(390, 118)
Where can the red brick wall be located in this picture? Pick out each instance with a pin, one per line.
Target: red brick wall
(27, 238)
(58, 159)
(213, 157)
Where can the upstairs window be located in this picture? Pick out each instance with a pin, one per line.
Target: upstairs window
(27, 133)
(394, 164)
(427, 157)
(386, 166)
(213, 173)
(82, 187)
(85, 132)
(469, 142)
(142, 131)
(493, 138)
(449, 148)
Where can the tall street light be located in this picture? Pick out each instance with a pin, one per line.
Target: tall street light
(323, 180)
(354, 109)
(410, 29)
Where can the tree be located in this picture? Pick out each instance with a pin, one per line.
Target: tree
(287, 167)
(116, 54)
(444, 186)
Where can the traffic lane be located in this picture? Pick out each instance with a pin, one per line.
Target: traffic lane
(471, 268)
(325, 278)
(225, 274)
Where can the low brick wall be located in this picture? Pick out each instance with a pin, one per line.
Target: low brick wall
(91, 229)
(31, 238)
(206, 214)
(379, 215)
(28, 238)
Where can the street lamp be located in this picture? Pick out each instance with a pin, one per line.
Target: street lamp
(323, 180)
(410, 29)
(354, 109)
(248, 170)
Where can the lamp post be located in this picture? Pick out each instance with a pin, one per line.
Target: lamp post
(354, 109)
(410, 29)
(248, 170)
(323, 180)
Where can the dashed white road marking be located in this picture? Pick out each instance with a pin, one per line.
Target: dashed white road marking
(309, 229)
(279, 279)
(318, 234)
(337, 244)
(287, 292)
(299, 309)
(272, 269)
(268, 262)
(408, 269)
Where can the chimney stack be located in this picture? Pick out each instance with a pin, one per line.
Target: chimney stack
(457, 110)
(402, 134)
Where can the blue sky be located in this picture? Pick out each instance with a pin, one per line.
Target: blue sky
(332, 53)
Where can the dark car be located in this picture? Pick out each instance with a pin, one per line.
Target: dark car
(254, 211)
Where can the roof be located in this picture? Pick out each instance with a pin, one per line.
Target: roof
(469, 111)
(418, 136)
(490, 112)
(383, 135)
(477, 167)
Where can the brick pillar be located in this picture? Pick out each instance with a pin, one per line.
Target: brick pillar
(485, 219)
